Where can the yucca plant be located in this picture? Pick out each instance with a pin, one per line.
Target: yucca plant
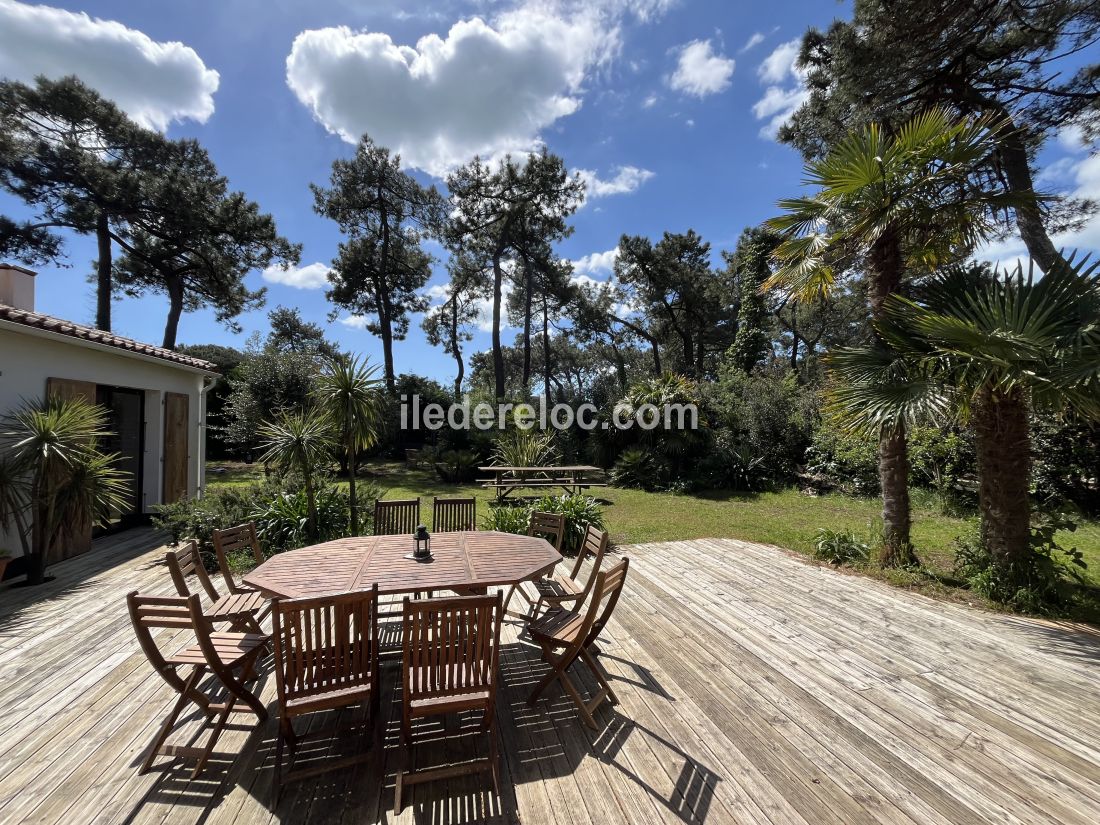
(986, 347)
(53, 478)
(525, 448)
(900, 205)
(302, 440)
(351, 397)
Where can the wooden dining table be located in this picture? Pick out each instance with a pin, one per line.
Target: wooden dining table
(469, 561)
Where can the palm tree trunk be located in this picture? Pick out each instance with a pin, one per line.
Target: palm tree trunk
(893, 471)
(885, 270)
(1003, 443)
(352, 462)
(311, 502)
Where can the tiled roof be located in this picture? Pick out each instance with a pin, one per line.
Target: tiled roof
(98, 336)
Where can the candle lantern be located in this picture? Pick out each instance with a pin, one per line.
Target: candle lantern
(423, 542)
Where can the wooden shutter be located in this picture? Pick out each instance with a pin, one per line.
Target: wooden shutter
(77, 538)
(66, 388)
(176, 419)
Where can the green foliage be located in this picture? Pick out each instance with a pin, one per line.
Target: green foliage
(456, 466)
(1065, 461)
(580, 511)
(1044, 581)
(840, 547)
(282, 522)
(750, 265)
(841, 460)
(638, 468)
(525, 448)
(55, 475)
(768, 416)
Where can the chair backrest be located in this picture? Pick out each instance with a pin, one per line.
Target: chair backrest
(595, 542)
(233, 540)
(605, 595)
(450, 515)
(185, 561)
(325, 643)
(396, 517)
(176, 612)
(551, 526)
(450, 646)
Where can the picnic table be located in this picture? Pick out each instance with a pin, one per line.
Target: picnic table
(571, 478)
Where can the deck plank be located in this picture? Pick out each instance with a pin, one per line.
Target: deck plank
(754, 688)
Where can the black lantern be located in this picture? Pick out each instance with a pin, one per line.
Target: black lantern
(423, 542)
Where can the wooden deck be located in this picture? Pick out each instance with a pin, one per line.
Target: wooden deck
(754, 687)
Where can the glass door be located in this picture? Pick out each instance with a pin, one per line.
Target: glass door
(127, 424)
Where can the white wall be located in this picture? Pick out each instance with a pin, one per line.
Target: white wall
(27, 360)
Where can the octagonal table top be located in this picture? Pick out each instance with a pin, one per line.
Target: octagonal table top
(464, 560)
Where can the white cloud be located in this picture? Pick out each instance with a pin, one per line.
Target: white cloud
(650, 101)
(626, 179)
(786, 88)
(586, 268)
(778, 65)
(483, 88)
(155, 83)
(701, 72)
(354, 321)
(312, 276)
(755, 40)
(1086, 240)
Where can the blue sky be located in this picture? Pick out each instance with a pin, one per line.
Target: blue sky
(667, 105)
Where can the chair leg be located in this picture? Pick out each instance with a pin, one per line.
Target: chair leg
(219, 726)
(578, 700)
(555, 669)
(170, 720)
(600, 675)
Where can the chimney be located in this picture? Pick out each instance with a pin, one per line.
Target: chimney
(17, 287)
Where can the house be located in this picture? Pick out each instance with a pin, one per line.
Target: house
(156, 397)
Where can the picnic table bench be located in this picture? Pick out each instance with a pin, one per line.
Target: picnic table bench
(571, 478)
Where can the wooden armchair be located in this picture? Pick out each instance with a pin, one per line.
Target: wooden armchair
(230, 657)
(326, 657)
(232, 540)
(574, 632)
(550, 526)
(566, 591)
(451, 515)
(244, 611)
(396, 517)
(449, 665)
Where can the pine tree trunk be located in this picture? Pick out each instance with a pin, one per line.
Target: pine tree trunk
(546, 348)
(526, 328)
(175, 310)
(885, 269)
(456, 350)
(103, 273)
(1003, 443)
(385, 330)
(498, 352)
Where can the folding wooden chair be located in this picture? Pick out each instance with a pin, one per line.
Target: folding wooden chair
(449, 665)
(243, 611)
(396, 517)
(575, 631)
(550, 526)
(230, 657)
(326, 657)
(561, 591)
(451, 515)
(232, 540)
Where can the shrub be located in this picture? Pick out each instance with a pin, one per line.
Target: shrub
(282, 522)
(840, 547)
(580, 511)
(637, 468)
(456, 466)
(1043, 584)
(525, 448)
(837, 460)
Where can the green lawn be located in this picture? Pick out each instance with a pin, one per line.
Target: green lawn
(787, 518)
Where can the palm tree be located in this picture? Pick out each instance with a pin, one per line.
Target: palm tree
(988, 348)
(896, 206)
(53, 475)
(302, 440)
(350, 395)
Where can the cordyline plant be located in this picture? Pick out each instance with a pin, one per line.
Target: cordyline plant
(54, 480)
(301, 440)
